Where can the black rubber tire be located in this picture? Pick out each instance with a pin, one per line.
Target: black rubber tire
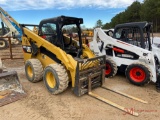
(3, 44)
(158, 76)
(111, 68)
(36, 70)
(60, 77)
(138, 74)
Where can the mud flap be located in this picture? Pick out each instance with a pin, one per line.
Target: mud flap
(10, 88)
(158, 79)
(158, 83)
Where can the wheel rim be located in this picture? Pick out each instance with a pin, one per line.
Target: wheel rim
(2, 43)
(137, 74)
(30, 71)
(50, 79)
(108, 69)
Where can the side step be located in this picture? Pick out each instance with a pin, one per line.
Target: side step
(110, 102)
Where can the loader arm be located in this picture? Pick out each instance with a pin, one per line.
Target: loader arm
(11, 23)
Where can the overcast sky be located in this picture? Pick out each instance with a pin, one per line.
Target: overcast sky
(33, 11)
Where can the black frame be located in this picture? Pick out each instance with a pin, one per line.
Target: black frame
(60, 22)
(141, 26)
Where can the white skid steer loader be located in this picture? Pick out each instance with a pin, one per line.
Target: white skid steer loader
(130, 49)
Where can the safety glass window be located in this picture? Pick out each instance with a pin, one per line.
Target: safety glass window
(49, 32)
(131, 35)
(49, 28)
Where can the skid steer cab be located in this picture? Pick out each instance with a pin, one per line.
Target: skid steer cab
(54, 56)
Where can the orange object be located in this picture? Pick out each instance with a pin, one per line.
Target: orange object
(118, 50)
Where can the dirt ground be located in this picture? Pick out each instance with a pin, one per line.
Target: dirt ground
(39, 104)
(156, 34)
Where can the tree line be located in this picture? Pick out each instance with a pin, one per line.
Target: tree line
(149, 11)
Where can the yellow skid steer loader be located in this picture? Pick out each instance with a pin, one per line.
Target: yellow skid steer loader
(59, 60)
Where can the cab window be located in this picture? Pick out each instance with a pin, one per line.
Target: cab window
(49, 32)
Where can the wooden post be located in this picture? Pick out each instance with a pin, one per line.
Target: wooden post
(10, 48)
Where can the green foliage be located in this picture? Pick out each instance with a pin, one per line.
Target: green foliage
(69, 29)
(107, 25)
(149, 11)
(99, 23)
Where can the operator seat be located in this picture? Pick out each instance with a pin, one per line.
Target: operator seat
(69, 48)
(123, 38)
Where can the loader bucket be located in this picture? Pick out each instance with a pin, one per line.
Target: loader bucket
(10, 88)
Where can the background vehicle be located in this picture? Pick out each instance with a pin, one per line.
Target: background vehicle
(131, 50)
(10, 28)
